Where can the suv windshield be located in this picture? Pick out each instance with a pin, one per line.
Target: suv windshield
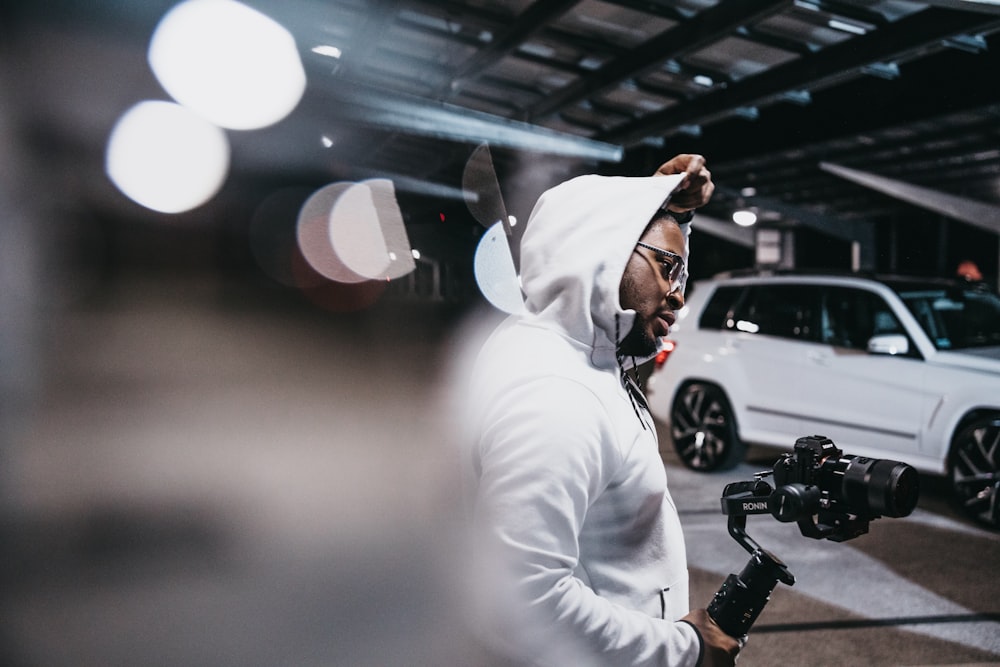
(954, 318)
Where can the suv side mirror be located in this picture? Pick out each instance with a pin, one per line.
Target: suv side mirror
(890, 344)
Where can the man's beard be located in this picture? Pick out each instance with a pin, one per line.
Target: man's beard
(638, 342)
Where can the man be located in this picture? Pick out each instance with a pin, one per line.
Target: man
(969, 271)
(579, 557)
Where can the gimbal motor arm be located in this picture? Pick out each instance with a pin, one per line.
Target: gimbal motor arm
(739, 601)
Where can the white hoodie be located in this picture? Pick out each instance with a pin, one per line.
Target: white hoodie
(580, 555)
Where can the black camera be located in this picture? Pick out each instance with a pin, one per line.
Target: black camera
(835, 496)
(829, 494)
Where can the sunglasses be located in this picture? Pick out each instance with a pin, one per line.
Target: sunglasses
(672, 267)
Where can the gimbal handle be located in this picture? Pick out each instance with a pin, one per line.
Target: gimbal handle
(739, 601)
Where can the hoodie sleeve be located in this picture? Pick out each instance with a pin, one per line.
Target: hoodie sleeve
(546, 453)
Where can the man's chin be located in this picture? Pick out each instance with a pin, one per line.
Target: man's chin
(638, 343)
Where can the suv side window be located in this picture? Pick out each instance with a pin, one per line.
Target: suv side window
(788, 311)
(851, 316)
(719, 308)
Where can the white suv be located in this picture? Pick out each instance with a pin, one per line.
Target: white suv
(903, 369)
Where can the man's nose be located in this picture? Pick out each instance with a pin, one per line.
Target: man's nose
(675, 300)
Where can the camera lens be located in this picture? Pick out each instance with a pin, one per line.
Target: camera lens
(879, 487)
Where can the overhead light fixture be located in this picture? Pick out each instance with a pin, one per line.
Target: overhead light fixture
(968, 43)
(672, 66)
(744, 217)
(746, 113)
(887, 71)
(844, 26)
(799, 97)
(327, 50)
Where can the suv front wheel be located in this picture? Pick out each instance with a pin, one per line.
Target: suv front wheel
(704, 428)
(973, 466)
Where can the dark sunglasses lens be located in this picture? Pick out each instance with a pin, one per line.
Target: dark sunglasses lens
(671, 269)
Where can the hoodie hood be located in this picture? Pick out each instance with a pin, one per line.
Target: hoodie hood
(576, 245)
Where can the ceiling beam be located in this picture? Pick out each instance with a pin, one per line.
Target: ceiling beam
(927, 29)
(978, 214)
(362, 105)
(537, 16)
(727, 231)
(365, 40)
(984, 6)
(860, 231)
(704, 28)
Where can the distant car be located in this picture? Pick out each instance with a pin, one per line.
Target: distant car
(896, 368)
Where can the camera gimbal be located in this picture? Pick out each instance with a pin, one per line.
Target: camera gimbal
(830, 495)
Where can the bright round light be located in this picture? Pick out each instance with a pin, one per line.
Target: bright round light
(166, 157)
(495, 274)
(744, 218)
(352, 232)
(356, 236)
(230, 63)
(313, 234)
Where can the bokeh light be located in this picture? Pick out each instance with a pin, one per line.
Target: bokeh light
(352, 232)
(313, 234)
(356, 235)
(166, 157)
(273, 241)
(367, 231)
(495, 272)
(232, 64)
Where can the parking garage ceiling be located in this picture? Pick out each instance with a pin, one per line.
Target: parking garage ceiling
(827, 113)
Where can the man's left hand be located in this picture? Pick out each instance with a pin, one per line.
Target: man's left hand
(695, 189)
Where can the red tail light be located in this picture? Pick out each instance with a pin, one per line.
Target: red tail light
(662, 355)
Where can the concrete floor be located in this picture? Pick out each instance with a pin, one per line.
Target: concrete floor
(212, 477)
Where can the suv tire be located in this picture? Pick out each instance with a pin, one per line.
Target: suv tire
(973, 467)
(703, 428)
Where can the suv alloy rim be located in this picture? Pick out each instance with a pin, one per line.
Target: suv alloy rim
(704, 429)
(974, 470)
